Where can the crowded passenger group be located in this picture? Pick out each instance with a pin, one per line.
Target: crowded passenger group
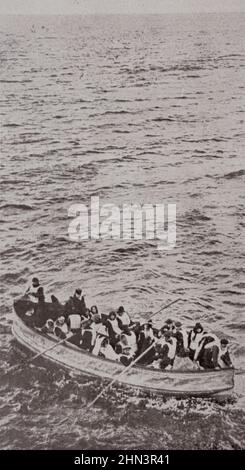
(117, 337)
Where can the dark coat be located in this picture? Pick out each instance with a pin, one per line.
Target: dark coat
(86, 340)
(180, 350)
(148, 358)
(208, 358)
(75, 306)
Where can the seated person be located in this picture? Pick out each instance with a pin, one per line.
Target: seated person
(224, 359)
(88, 336)
(98, 326)
(168, 352)
(181, 336)
(61, 329)
(87, 314)
(114, 332)
(94, 312)
(171, 324)
(127, 344)
(48, 328)
(35, 291)
(165, 328)
(123, 318)
(131, 339)
(146, 331)
(124, 349)
(146, 339)
(159, 336)
(157, 352)
(107, 351)
(76, 304)
(137, 330)
(194, 337)
(207, 352)
(97, 345)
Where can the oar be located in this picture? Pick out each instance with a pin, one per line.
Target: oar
(164, 308)
(120, 375)
(15, 368)
(158, 311)
(239, 371)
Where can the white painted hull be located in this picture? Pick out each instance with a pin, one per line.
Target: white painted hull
(178, 383)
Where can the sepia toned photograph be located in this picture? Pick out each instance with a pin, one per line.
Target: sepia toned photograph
(122, 228)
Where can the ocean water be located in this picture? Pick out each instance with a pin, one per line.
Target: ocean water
(142, 109)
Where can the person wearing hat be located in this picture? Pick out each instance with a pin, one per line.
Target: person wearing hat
(74, 311)
(210, 351)
(181, 336)
(168, 351)
(159, 343)
(61, 328)
(165, 328)
(88, 336)
(35, 291)
(145, 340)
(35, 294)
(145, 337)
(171, 324)
(48, 328)
(75, 305)
(224, 359)
(194, 337)
(112, 327)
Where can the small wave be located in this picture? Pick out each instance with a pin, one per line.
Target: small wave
(9, 277)
(28, 141)
(229, 291)
(230, 55)
(13, 124)
(11, 181)
(236, 326)
(234, 174)
(24, 207)
(234, 304)
(129, 250)
(199, 141)
(121, 101)
(122, 111)
(160, 119)
(240, 285)
(16, 81)
(197, 216)
(211, 253)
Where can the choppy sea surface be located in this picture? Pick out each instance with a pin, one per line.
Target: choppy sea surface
(143, 109)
